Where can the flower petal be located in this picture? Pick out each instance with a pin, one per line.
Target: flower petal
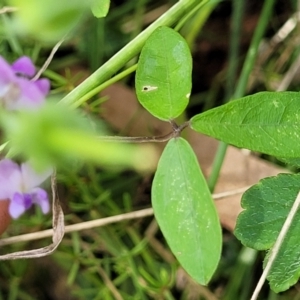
(9, 89)
(24, 65)
(10, 179)
(19, 204)
(7, 75)
(31, 178)
(31, 97)
(17, 91)
(40, 197)
(43, 85)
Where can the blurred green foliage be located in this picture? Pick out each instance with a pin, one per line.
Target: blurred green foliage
(130, 259)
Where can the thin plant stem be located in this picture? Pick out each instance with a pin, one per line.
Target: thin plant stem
(198, 22)
(217, 165)
(237, 17)
(138, 139)
(148, 139)
(102, 222)
(113, 65)
(48, 60)
(242, 82)
(234, 48)
(189, 15)
(253, 50)
(103, 86)
(275, 249)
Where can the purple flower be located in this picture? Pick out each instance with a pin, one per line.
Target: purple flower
(17, 91)
(19, 184)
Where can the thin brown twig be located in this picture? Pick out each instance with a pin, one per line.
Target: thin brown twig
(100, 222)
(48, 60)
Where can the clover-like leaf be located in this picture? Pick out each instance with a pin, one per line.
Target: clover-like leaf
(163, 76)
(267, 205)
(267, 122)
(185, 211)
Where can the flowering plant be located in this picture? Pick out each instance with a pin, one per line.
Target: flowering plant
(19, 184)
(17, 90)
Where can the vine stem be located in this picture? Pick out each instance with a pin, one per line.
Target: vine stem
(148, 139)
(277, 245)
(113, 65)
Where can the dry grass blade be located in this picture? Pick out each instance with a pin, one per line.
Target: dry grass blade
(48, 61)
(57, 233)
(101, 222)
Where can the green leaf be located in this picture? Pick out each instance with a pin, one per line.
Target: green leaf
(55, 134)
(100, 8)
(267, 205)
(185, 211)
(291, 161)
(48, 20)
(163, 76)
(267, 122)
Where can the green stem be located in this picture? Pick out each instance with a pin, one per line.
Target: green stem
(216, 166)
(113, 65)
(189, 15)
(253, 50)
(236, 31)
(101, 87)
(246, 70)
(237, 16)
(198, 21)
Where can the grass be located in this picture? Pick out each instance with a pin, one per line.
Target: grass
(128, 259)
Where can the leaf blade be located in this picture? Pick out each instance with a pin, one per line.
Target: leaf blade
(267, 122)
(185, 211)
(267, 205)
(163, 76)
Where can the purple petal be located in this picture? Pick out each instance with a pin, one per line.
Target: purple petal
(7, 75)
(40, 197)
(9, 89)
(43, 85)
(19, 204)
(31, 178)
(24, 65)
(10, 179)
(31, 96)
(18, 92)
